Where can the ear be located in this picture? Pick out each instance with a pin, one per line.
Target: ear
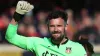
(66, 26)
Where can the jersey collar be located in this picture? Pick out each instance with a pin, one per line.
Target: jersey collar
(62, 43)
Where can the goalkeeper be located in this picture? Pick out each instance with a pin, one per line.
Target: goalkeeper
(57, 45)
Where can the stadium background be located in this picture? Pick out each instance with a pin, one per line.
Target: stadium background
(83, 15)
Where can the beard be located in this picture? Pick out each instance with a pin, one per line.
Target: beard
(57, 36)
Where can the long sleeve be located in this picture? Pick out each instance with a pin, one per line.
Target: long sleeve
(14, 38)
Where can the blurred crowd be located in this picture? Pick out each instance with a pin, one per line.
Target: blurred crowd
(79, 25)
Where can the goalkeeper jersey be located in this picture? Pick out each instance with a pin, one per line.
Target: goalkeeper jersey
(43, 46)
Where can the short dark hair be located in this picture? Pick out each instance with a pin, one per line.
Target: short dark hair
(57, 14)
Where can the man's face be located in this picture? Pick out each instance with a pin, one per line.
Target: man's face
(57, 29)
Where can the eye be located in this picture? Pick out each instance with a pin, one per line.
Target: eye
(51, 25)
(59, 25)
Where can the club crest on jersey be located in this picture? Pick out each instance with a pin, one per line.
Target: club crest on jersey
(68, 50)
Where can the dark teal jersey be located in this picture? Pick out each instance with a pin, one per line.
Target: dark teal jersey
(43, 46)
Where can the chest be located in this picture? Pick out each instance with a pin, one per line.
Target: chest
(53, 50)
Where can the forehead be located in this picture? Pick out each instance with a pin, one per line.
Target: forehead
(56, 21)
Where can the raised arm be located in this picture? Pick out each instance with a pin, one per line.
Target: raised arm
(11, 34)
(21, 9)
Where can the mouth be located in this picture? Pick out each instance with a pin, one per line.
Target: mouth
(56, 34)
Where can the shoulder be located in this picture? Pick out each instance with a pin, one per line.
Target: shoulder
(38, 39)
(35, 39)
(74, 43)
(77, 46)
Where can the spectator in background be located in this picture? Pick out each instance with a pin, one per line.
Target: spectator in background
(11, 11)
(26, 26)
(86, 19)
(71, 28)
(4, 21)
(22, 29)
(2, 26)
(31, 31)
(43, 30)
(85, 31)
(97, 27)
(41, 18)
(83, 38)
(27, 30)
(87, 23)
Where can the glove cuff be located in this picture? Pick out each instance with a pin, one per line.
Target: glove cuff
(17, 16)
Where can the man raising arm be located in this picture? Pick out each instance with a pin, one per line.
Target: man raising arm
(11, 35)
(57, 45)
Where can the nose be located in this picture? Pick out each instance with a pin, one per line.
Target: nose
(55, 29)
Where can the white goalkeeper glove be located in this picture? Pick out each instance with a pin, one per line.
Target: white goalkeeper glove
(23, 7)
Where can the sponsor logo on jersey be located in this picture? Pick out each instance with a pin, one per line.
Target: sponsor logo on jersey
(47, 53)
